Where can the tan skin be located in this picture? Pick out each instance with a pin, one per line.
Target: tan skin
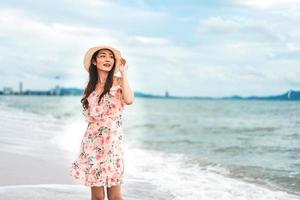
(104, 62)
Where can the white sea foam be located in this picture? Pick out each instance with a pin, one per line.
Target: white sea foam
(175, 175)
(70, 138)
(26, 133)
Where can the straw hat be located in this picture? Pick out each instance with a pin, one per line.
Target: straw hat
(88, 56)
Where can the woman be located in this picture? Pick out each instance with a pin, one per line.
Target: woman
(100, 160)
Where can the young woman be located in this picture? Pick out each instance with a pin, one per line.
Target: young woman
(100, 160)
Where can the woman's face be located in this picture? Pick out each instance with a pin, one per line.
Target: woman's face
(104, 60)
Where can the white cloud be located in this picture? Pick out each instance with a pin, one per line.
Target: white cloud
(248, 51)
(44, 50)
(100, 13)
(268, 4)
(293, 47)
(142, 40)
(258, 30)
(218, 24)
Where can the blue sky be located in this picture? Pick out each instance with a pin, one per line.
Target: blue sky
(193, 48)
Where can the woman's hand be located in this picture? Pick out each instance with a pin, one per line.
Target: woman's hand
(128, 94)
(123, 66)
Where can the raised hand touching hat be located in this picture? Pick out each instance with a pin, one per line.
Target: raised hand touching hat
(123, 68)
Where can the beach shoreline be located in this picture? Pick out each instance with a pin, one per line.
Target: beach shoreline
(25, 169)
(31, 177)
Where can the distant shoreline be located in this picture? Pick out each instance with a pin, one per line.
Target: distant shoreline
(290, 95)
(268, 98)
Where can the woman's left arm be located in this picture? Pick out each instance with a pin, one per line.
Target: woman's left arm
(128, 95)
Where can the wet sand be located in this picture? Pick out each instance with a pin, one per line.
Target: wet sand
(29, 177)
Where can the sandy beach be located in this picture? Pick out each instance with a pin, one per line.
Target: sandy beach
(24, 169)
(28, 177)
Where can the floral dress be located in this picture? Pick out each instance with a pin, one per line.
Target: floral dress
(100, 158)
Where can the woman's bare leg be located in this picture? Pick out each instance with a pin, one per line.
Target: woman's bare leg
(97, 193)
(114, 192)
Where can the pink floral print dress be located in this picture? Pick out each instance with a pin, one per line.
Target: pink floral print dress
(100, 158)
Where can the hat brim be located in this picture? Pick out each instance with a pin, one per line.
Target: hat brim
(88, 56)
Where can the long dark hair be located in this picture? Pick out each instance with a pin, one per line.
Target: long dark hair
(93, 78)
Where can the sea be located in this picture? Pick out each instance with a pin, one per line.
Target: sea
(190, 149)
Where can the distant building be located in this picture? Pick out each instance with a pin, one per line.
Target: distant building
(166, 94)
(7, 90)
(56, 90)
(20, 88)
(37, 92)
(289, 94)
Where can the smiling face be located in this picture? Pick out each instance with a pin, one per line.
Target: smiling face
(104, 60)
